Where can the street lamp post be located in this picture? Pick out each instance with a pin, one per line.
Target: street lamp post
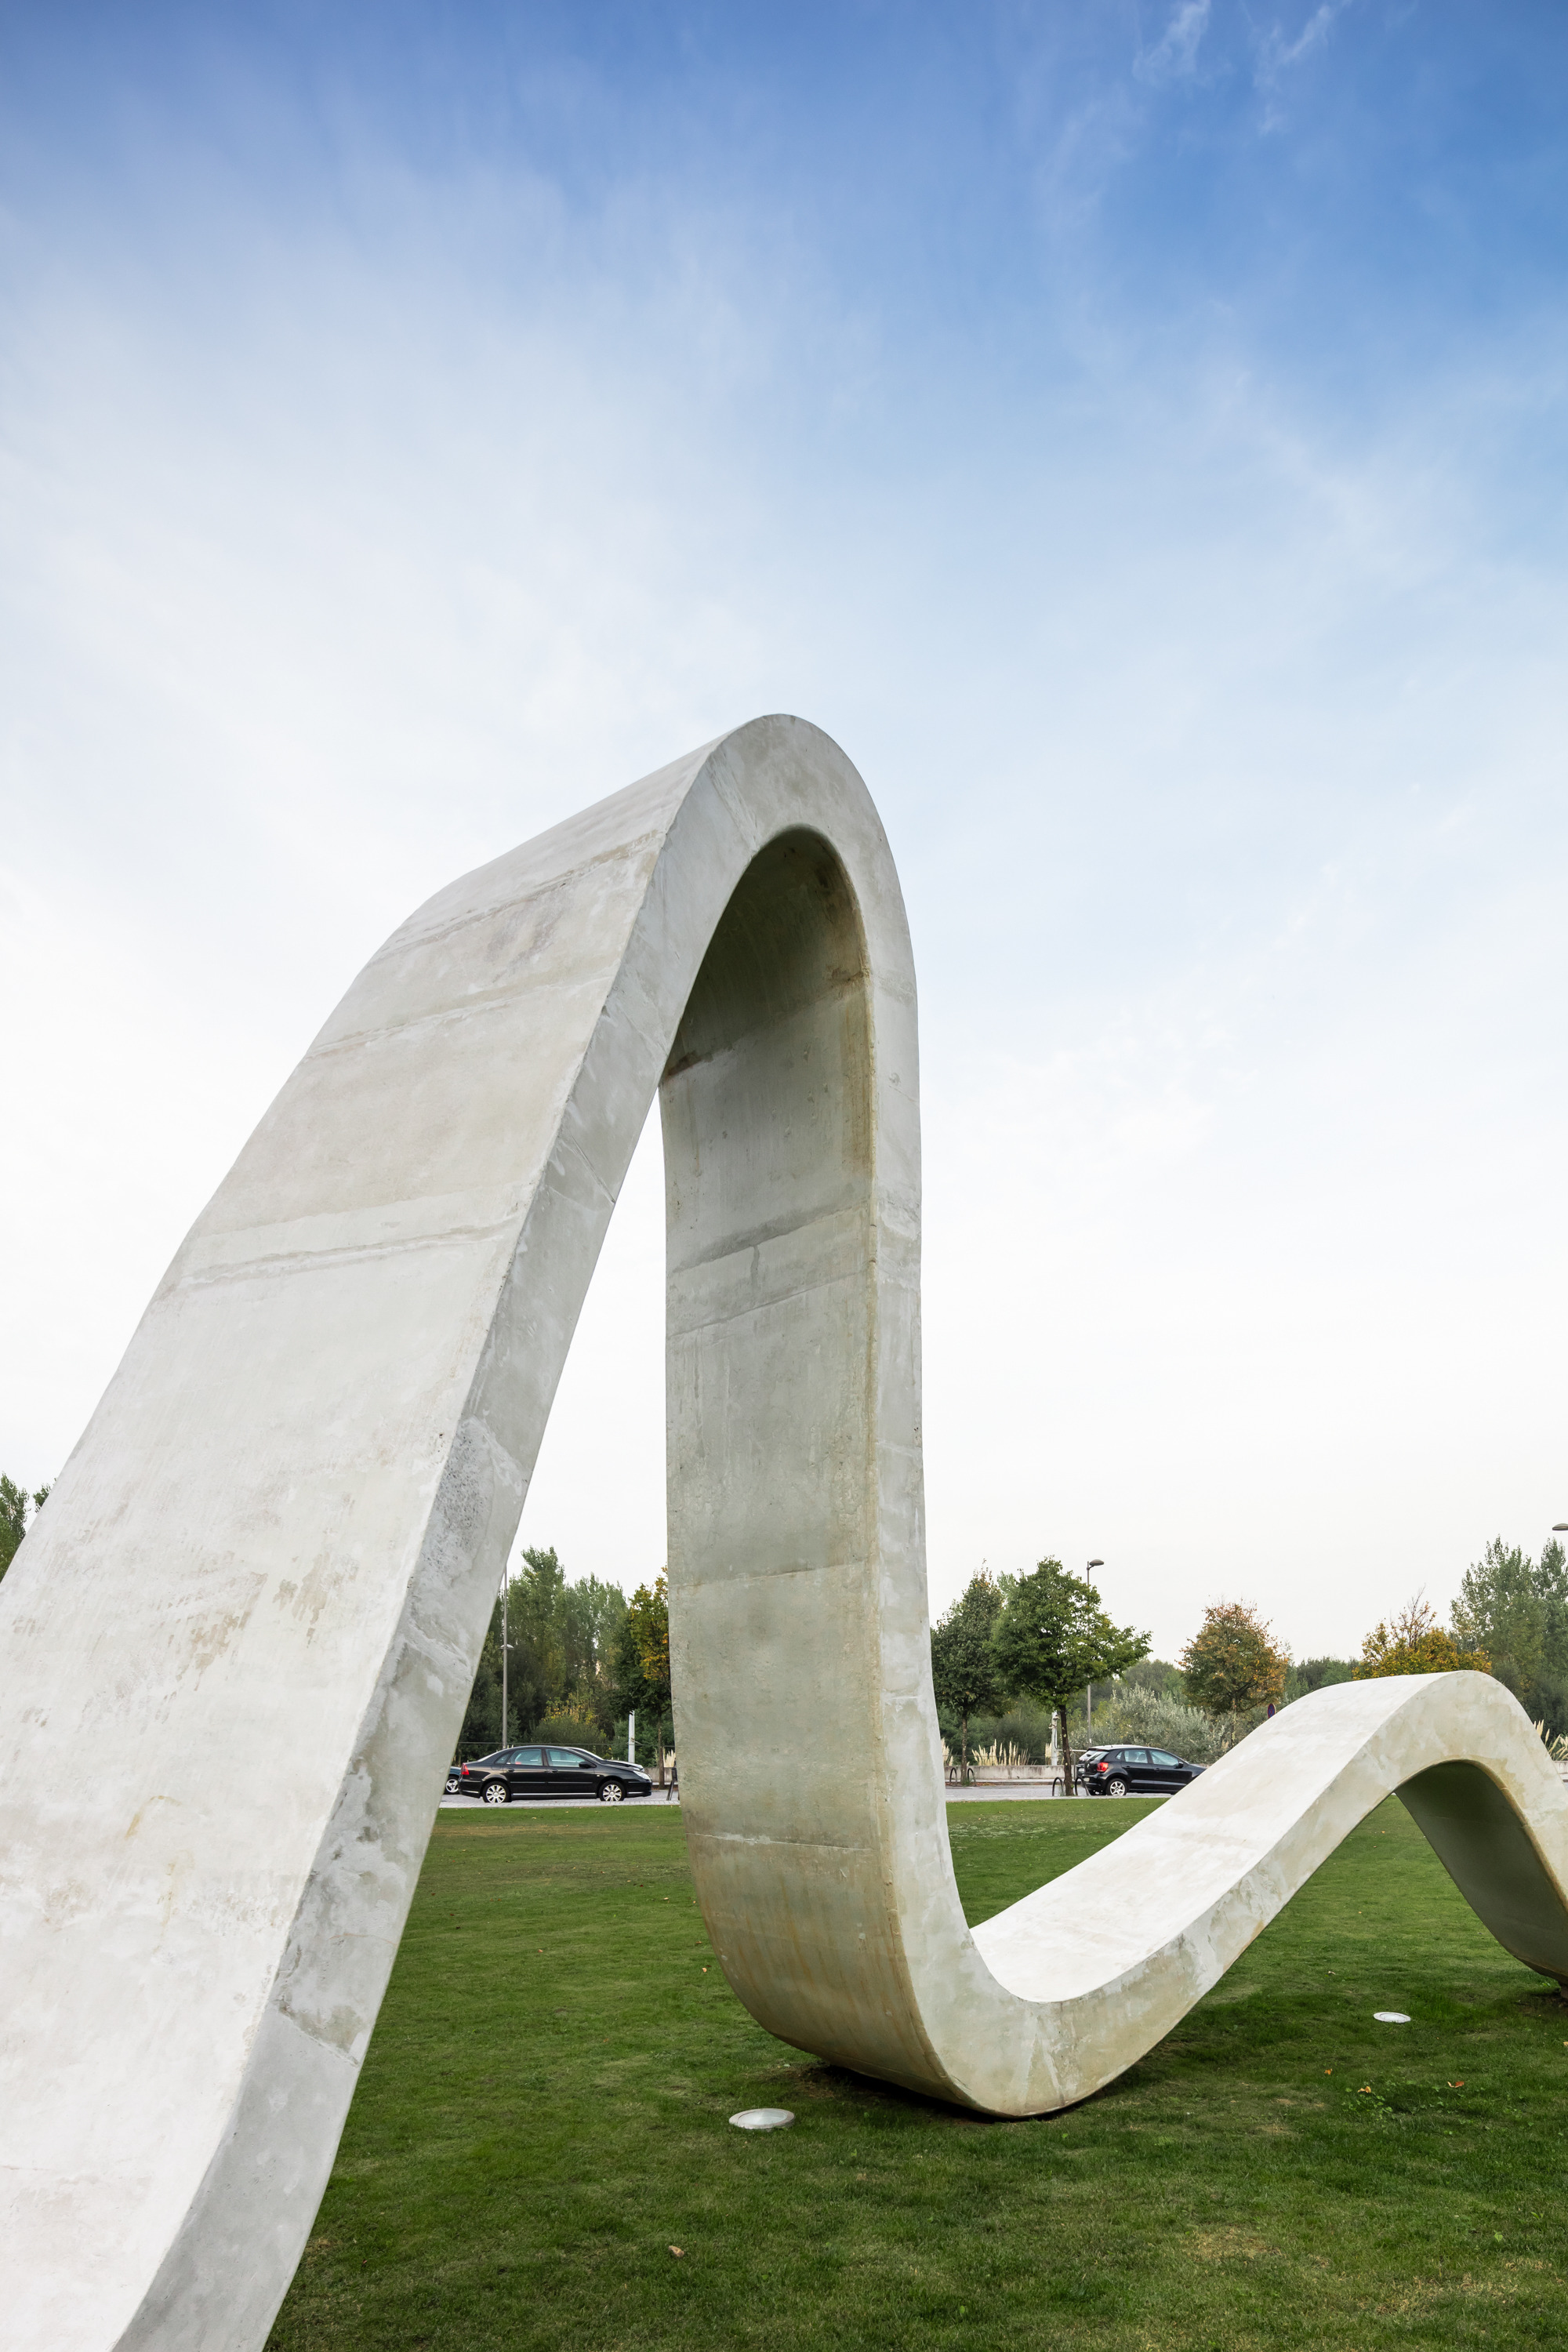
(1089, 1691)
(505, 1649)
(1069, 1788)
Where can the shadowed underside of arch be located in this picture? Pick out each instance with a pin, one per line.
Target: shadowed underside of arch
(276, 1546)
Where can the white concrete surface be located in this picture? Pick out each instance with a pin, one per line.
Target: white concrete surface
(238, 1642)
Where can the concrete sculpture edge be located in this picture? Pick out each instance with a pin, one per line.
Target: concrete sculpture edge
(236, 1647)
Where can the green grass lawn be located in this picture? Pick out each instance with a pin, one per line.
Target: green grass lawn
(543, 2117)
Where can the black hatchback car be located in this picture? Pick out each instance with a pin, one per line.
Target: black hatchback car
(1132, 1772)
(545, 1772)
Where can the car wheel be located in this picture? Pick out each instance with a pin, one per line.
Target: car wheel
(453, 1784)
(496, 1792)
(611, 1792)
(1116, 1787)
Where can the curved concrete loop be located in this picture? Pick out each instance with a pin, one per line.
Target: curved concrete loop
(236, 1647)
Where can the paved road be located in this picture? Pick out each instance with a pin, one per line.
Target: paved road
(555, 1804)
(987, 1793)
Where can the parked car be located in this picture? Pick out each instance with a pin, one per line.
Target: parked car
(544, 1771)
(1132, 1772)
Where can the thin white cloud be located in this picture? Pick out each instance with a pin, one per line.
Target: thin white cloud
(1175, 56)
(1278, 50)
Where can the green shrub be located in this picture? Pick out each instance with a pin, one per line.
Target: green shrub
(1161, 1680)
(570, 1731)
(1154, 1722)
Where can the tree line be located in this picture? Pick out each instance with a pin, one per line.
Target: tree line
(14, 1502)
(1012, 1656)
(1015, 1658)
(1510, 1620)
(571, 1663)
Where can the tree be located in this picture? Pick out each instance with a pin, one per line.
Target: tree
(537, 1664)
(1516, 1610)
(642, 1657)
(13, 1518)
(591, 1612)
(1052, 1637)
(1306, 1674)
(13, 1521)
(647, 1617)
(1413, 1642)
(1231, 1664)
(560, 1643)
(1551, 1692)
(964, 1671)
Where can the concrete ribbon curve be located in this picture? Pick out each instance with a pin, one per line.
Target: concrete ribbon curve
(237, 1644)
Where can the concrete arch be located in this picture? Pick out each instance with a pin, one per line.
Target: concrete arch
(276, 1545)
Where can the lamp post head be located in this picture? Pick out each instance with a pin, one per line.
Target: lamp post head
(1096, 1563)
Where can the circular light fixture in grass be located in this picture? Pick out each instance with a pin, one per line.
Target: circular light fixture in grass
(1389, 2017)
(762, 2119)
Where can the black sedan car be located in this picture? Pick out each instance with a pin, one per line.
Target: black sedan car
(545, 1772)
(1132, 1772)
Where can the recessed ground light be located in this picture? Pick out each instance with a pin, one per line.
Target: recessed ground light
(1389, 2017)
(762, 2119)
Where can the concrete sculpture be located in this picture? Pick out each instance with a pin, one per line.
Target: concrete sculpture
(237, 1645)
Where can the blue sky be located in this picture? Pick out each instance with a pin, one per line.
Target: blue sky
(1135, 433)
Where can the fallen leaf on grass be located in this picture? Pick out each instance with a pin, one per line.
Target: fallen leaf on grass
(677, 2250)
